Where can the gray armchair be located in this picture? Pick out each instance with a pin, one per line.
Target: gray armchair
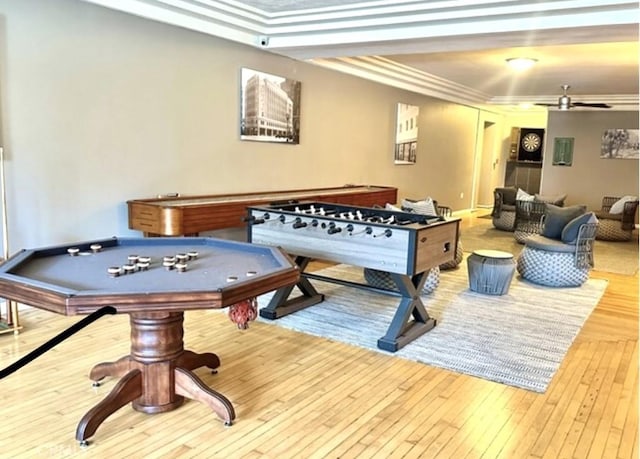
(529, 219)
(503, 214)
(560, 262)
(616, 226)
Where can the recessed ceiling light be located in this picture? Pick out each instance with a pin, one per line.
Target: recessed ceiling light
(521, 63)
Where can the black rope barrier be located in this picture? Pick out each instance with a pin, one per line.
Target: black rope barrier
(57, 340)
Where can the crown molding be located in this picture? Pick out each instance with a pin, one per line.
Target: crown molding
(304, 33)
(351, 38)
(385, 71)
(390, 73)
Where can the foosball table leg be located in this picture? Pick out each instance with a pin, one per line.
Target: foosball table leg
(411, 318)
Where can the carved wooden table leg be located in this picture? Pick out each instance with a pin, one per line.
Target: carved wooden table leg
(126, 390)
(190, 360)
(117, 369)
(189, 385)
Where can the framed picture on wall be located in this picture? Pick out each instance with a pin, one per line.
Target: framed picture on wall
(406, 147)
(563, 151)
(619, 144)
(270, 108)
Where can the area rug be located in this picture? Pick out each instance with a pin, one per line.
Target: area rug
(612, 257)
(518, 339)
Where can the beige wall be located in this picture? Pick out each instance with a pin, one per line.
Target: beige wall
(99, 107)
(590, 177)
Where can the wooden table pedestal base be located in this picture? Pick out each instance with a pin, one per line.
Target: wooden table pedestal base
(156, 376)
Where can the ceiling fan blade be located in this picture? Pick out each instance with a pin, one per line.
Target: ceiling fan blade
(547, 105)
(587, 104)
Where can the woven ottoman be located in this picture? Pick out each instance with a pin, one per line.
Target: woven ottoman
(383, 279)
(506, 221)
(490, 271)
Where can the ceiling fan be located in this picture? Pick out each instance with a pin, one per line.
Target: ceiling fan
(564, 102)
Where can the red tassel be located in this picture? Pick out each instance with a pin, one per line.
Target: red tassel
(243, 312)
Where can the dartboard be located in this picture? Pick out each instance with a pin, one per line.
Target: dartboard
(531, 142)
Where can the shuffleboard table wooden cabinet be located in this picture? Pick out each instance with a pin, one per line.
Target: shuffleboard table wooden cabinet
(191, 215)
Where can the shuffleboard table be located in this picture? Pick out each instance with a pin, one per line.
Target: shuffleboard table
(191, 215)
(87, 277)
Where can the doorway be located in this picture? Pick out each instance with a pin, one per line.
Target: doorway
(485, 164)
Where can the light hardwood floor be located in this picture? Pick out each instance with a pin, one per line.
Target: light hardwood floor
(297, 396)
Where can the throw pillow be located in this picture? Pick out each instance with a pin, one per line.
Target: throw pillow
(556, 218)
(618, 206)
(555, 200)
(571, 229)
(522, 195)
(425, 207)
(389, 206)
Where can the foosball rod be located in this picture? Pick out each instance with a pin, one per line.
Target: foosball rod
(347, 283)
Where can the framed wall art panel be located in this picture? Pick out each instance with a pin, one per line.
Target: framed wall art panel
(406, 147)
(563, 151)
(620, 144)
(270, 108)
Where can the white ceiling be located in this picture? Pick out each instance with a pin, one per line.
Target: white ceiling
(452, 49)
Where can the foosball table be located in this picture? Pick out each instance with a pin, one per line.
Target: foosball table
(406, 245)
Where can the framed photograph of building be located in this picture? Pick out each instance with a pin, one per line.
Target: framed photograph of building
(406, 134)
(270, 108)
(620, 144)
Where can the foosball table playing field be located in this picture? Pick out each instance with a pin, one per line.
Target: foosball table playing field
(406, 245)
